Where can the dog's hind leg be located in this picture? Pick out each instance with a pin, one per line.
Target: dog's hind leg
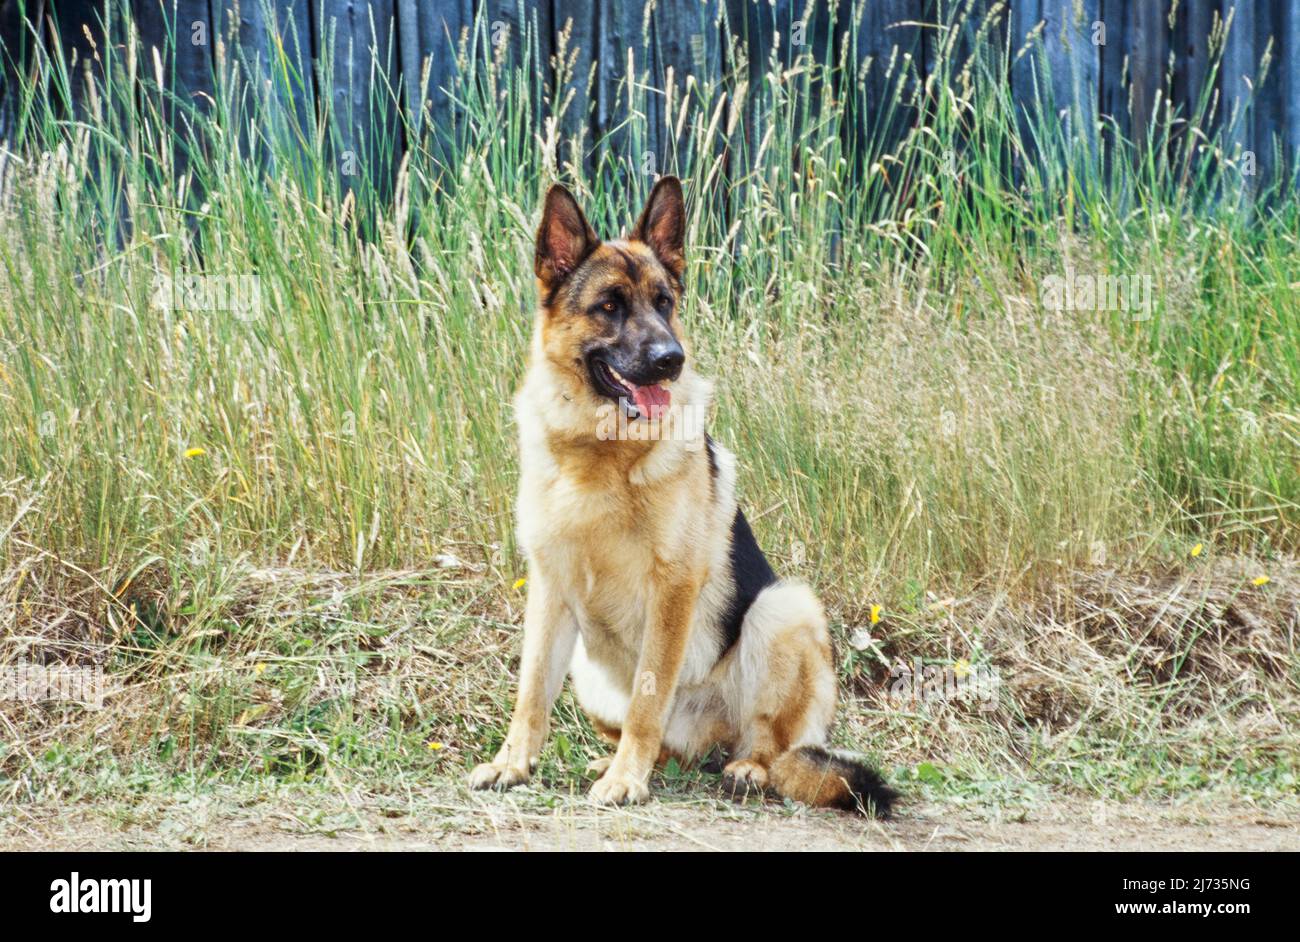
(779, 684)
(782, 693)
(783, 696)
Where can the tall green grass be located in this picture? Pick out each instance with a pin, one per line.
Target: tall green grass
(908, 414)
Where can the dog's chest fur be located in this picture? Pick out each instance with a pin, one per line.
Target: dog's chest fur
(610, 524)
(604, 545)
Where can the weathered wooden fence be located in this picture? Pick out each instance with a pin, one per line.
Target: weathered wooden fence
(1122, 60)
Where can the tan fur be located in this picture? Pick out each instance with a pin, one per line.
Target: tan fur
(628, 549)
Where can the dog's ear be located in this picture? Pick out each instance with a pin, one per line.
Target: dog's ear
(662, 225)
(564, 239)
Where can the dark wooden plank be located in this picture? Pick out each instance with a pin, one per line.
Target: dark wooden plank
(1056, 68)
(430, 38)
(178, 52)
(1113, 78)
(1237, 75)
(411, 60)
(181, 33)
(576, 45)
(431, 35)
(622, 55)
(1266, 128)
(1074, 61)
(243, 30)
(358, 86)
(22, 35)
(766, 30)
(629, 123)
(1113, 86)
(516, 38)
(970, 46)
(291, 64)
(1191, 90)
(968, 34)
(884, 39)
(687, 42)
(506, 24)
(537, 37)
(1147, 46)
(1024, 45)
(884, 46)
(754, 32)
(1290, 93)
(268, 75)
(80, 33)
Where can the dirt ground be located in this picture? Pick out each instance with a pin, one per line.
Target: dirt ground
(493, 823)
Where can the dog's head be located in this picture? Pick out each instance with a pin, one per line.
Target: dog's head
(609, 309)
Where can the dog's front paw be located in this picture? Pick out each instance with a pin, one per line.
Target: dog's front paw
(744, 776)
(616, 787)
(497, 775)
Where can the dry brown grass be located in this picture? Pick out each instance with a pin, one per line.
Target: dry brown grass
(1106, 680)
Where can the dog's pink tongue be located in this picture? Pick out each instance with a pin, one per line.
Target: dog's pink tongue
(651, 400)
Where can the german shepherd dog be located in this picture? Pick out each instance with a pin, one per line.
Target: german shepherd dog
(645, 583)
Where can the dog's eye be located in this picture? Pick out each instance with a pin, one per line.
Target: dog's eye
(609, 307)
(663, 301)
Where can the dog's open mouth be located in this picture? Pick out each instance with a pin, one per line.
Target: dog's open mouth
(651, 401)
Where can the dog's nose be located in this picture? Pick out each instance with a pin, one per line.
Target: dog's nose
(666, 359)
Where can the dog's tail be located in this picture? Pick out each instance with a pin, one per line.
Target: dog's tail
(817, 776)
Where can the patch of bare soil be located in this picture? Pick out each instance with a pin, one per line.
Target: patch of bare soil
(505, 823)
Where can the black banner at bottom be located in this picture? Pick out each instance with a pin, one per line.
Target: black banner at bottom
(328, 890)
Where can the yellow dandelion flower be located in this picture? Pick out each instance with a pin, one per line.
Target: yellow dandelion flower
(519, 584)
(961, 668)
(875, 614)
(194, 452)
(1196, 550)
(433, 746)
(1260, 580)
(259, 669)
